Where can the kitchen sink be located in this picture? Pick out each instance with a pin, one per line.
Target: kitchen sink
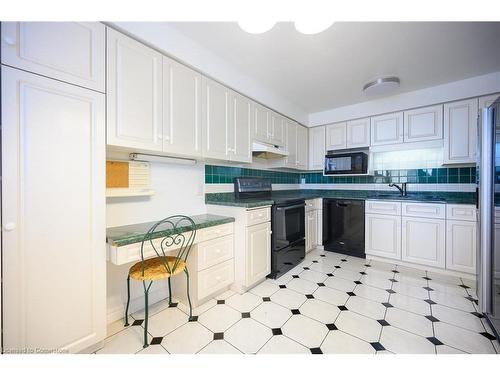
(420, 197)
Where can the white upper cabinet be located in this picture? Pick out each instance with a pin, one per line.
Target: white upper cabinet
(239, 128)
(53, 187)
(181, 109)
(215, 119)
(134, 94)
(316, 147)
(423, 124)
(387, 129)
(486, 101)
(276, 129)
(460, 131)
(302, 144)
(336, 136)
(291, 144)
(68, 51)
(260, 123)
(358, 133)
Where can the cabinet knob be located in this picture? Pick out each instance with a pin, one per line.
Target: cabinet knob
(9, 226)
(9, 41)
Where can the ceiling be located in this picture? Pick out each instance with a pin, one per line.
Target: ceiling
(328, 70)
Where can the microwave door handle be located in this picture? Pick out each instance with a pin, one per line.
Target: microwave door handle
(290, 207)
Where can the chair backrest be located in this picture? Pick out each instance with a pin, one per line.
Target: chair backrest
(174, 232)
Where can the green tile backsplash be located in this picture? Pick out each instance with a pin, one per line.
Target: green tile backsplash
(224, 175)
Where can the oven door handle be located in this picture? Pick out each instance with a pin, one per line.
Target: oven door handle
(290, 207)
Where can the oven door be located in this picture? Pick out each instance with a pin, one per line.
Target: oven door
(288, 224)
(352, 163)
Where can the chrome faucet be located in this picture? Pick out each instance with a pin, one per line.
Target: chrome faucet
(402, 188)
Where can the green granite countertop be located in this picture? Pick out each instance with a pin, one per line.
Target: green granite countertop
(228, 199)
(128, 234)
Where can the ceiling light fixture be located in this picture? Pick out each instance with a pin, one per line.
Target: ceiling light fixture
(256, 26)
(381, 86)
(312, 26)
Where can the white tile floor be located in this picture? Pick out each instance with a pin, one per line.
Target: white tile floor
(330, 303)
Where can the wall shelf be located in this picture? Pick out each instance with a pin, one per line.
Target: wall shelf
(119, 192)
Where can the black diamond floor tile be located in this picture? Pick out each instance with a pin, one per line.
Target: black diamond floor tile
(342, 308)
(137, 322)
(367, 265)
(295, 312)
(329, 274)
(351, 294)
(395, 271)
(344, 260)
(321, 284)
(387, 304)
(220, 302)
(295, 276)
(309, 296)
(428, 289)
(390, 291)
(434, 340)
(432, 318)
(156, 340)
(426, 278)
(306, 268)
(464, 286)
(266, 299)
(331, 327)
(173, 304)
(383, 322)
(315, 261)
(363, 273)
(322, 255)
(479, 315)
(219, 336)
(358, 282)
(316, 350)
(245, 315)
(430, 302)
(337, 266)
(377, 346)
(393, 280)
(194, 318)
(282, 286)
(277, 331)
(489, 336)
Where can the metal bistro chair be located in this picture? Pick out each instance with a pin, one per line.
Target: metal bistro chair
(173, 232)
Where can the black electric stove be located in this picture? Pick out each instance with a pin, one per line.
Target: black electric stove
(287, 223)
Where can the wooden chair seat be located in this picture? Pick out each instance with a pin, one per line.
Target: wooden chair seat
(155, 269)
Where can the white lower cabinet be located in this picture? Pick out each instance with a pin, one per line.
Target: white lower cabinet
(461, 246)
(314, 223)
(311, 230)
(383, 235)
(53, 213)
(258, 252)
(423, 241)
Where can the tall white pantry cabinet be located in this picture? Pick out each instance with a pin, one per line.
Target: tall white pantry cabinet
(53, 187)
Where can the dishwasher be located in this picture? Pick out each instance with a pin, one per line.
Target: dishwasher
(344, 226)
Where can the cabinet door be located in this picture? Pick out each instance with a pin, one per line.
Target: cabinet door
(68, 51)
(460, 131)
(461, 246)
(423, 124)
(239, 129)
(258, 252)
(386, 129)
(358, 133)
(423, 241)
(181, 109)
(215, 119)
(336, 136)
(53, 210)
(261, 118)
(302, 143)
(291, 144)
(311, 230)
(383, 236)
(134, 94)
(317, 147)
(486, 101)
(277, 129)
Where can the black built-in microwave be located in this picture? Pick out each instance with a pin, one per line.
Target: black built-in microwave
(348, 163)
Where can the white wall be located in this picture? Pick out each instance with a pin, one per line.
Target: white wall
(467, 88)
(177, 45)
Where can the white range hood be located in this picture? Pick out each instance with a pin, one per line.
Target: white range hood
(267, 151)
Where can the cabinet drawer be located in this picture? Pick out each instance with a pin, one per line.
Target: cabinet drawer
(259, 215)
(215, 278)
(383, 208)
(313, 204)
(214, 232)
(214, 252)
(430, 210)
(461, 212)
